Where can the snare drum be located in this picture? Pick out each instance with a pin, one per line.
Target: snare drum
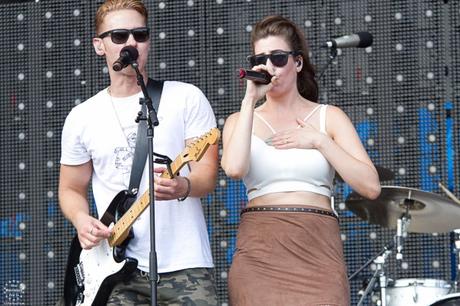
(415, 292)
(448, 300)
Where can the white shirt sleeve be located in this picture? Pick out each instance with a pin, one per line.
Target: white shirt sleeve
(73, 151)
(199, 116)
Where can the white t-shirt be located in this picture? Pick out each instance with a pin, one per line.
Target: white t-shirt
(102, 129)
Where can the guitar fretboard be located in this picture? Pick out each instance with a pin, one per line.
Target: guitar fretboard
(121, 228)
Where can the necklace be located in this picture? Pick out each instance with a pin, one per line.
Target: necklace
(123, 126)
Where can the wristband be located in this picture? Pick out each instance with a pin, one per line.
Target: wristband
(189, 187)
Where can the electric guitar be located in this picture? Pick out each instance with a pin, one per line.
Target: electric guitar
(91, 274)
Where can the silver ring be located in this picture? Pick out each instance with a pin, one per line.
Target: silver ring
(91, 231)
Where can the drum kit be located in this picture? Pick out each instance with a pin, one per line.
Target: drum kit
(408, 210)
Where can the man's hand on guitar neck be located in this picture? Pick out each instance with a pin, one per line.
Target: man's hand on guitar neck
(169, 189)
(91, 231)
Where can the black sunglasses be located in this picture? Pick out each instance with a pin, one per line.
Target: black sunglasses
(277, 58)
(120, 36)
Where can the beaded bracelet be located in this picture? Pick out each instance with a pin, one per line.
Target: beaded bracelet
(189, 187)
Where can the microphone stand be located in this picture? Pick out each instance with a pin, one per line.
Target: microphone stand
(152, 120)
(332, 56)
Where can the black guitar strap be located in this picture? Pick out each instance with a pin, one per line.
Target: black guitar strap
(154, 89)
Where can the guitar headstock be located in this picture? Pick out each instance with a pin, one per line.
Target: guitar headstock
(195, 150)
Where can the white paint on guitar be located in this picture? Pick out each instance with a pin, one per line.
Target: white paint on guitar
(97, 264)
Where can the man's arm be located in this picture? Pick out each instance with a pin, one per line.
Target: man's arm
(73, 190)
(202, 178)
(203, 174)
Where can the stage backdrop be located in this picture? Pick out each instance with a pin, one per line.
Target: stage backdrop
(401, 93)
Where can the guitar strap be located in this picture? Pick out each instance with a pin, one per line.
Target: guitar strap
(154, 89)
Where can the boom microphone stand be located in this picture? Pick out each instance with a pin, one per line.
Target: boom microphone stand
(332, 56)
(152, 120)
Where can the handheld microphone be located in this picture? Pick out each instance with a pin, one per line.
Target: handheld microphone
(358, 40)
(128, 55)
(261, 77)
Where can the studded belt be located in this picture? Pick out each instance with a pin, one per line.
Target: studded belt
(289, 209)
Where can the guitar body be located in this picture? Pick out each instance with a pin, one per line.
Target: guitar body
(91, 274)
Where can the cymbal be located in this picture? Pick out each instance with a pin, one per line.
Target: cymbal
(384, 174)
(429, 212)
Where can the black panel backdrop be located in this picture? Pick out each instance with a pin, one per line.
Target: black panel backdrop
(401, 93)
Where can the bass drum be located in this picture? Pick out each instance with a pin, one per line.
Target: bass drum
(448, 300)
(415, 292)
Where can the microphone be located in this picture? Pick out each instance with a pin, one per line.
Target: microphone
(358, 40)
(261, 77)
(399, 239)
(128, 55)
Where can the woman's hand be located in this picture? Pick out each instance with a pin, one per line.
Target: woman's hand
(305, 137)
(255, 91)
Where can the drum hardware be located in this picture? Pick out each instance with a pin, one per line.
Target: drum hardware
(448, 300)
(457, 253)
(429, 212)
(456, 233)
(386, 248)
(380, 259)
(401, 233)
(415, 292)
(379, 274)
(408, 210)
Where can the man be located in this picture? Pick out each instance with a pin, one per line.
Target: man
(98, 141)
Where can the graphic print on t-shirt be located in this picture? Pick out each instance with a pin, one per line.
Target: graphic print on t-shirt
(124, 155)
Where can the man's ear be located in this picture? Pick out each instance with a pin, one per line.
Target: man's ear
(98, 46)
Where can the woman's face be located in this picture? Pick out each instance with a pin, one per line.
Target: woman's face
(287, 74)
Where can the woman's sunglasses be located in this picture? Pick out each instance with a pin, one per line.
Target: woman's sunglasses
(277, 58)
(120, 36)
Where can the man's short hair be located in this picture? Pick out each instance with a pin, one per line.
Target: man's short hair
(115, 5)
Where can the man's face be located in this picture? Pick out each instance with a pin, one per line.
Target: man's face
(122, 19)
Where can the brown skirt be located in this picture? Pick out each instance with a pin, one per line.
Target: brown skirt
(288, 258)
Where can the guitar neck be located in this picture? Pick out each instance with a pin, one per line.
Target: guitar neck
(176, 165)
(121, 229)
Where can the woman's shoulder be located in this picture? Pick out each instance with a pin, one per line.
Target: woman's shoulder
(337, 120)
(232, 118)
(335, 112)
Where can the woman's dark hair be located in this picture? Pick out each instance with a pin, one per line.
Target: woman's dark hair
(279, 26)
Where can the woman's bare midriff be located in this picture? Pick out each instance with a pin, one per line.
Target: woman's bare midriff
(302, 198)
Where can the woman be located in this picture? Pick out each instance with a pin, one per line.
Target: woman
(289, 250)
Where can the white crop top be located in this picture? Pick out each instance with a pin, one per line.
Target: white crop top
(273, 170)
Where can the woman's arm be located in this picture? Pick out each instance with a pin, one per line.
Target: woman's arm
(344, 150)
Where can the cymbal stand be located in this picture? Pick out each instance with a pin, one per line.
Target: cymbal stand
(402, 225)
(456, 234)
(379, 274)
(389, 246)
(457, 252)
